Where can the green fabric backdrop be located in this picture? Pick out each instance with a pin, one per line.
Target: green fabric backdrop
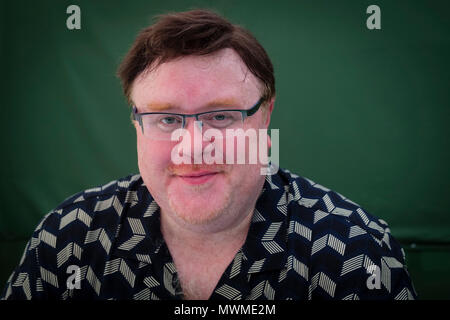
(363, 112)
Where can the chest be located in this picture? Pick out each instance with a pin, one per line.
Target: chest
(199, 277)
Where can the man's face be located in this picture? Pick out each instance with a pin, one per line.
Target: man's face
(217, 195)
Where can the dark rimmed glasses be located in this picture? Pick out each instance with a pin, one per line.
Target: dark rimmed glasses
(161, 125)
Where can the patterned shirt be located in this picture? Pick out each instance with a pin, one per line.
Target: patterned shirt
(304, 242)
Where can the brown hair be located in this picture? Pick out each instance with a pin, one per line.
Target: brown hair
(196, 32)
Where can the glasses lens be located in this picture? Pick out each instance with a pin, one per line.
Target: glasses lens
(222, 119)
(161, 126)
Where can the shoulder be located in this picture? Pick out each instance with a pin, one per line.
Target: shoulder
(87, 213)
(346, 242)
(320, 207)
(77, 232)
(116, 187)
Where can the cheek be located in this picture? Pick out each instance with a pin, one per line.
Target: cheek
(153, 156)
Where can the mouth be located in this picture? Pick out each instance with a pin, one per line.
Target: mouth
(198, 177)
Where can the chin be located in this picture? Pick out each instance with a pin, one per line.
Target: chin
(197, 209)
(198, 218)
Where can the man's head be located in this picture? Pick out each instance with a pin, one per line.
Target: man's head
(188, 63)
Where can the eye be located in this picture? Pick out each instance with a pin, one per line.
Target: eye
(169, 120)
(219, 117)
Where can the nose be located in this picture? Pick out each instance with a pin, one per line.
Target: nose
(191, 147)
(192, 122)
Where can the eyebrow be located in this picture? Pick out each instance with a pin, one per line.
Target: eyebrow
(158, 106)
(222, 103)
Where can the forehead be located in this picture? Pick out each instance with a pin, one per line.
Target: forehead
(192, 82)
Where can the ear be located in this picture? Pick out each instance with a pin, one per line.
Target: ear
(137, 127)
(135, 124)
(268, 112)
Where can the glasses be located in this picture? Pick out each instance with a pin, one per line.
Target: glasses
(160, 125)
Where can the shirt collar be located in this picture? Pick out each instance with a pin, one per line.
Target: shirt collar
(265, 246)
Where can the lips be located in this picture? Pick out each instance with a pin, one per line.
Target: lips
(197, 173)
(198, 177)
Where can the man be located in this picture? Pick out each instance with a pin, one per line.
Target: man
(220, 230)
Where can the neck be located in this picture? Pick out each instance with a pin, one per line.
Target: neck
(202, 253)
(203, 237)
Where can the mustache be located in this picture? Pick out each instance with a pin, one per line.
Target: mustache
(177, 169)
